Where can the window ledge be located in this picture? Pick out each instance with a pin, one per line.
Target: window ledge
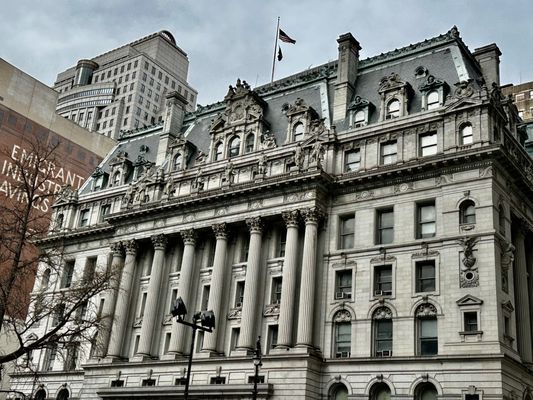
(470, 333)
(467, 227)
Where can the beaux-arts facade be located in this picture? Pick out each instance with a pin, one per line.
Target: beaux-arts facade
(369, 219)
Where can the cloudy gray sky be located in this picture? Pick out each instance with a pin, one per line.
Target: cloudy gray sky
(234, 38)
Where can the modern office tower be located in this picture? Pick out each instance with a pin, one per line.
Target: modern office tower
(125, 88)
(369, 219)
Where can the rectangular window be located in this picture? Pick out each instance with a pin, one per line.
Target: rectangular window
(117, 383)
(428, 144)
(471, 396)
(245, 247)
(90, 268)
(425, 276)
(84, 218)
(173, 297)
(470, 321)
(68, 273)
(50, 357)
(343, 338)
(166, 347)
(217, 380)
(205, 297)
(385, 224)
(428, 337)
(426, 215)
(275, 296)
(352, 160)
(272, 336)
(136, 344)
(260, 379)
(148, 382)
(282, 237)
(343, 284)
(143, 304)
(235, 333)
(173, 85)
(383, 337)
(347, 232)
(58, 314)
(383, 280)
(239, 294)
(388, 152)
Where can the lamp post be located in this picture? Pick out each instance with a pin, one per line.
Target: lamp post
(257, 363)
(207, 324)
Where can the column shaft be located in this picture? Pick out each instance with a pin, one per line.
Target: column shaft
(185, 291)
(288, 286)
(123, 302)
(108, 312)
(251, 285)
(307, 283)
(522, 299)
(217, 285)
(150, 311)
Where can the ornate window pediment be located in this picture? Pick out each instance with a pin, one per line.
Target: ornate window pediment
(395, 95)
(179, 153)
(99, 179)
(434, 92)
(469, 300)
(121, 168)
(300, 120)
(244, 116)
(359, 112)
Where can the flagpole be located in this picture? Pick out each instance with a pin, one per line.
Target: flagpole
(275, 47)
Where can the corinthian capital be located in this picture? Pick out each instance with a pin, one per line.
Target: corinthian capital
(220, 230)
(312, 215)
(255, 224)
(159, 242)
(291, 217)
(117, 249)
(188, 236)
(131, 247)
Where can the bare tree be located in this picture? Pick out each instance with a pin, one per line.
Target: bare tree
(63, 317)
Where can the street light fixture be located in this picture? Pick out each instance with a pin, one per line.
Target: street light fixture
(207, 324)
(257, 363)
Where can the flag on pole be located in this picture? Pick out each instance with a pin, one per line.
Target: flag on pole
(280, 54)
(285, 38)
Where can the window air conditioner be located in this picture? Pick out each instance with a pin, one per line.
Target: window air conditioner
(384, 353)
(378, 292)
(342, 354)
(339, 295)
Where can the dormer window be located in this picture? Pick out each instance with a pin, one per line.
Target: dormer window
(433, 100)
(393, 109)
(249, 144)
(219, 151)
(359, 118)
(116, 178)
(99, 182)
(176, 166)
(234, 146)
(298, 132)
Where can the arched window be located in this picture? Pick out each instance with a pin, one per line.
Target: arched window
(501, 215)
(426, 391)
(343, 334)
(298, 132)
(116, 178)
(176, 165)
(380, 391)
(234, 146)
(382, 331)
(467, 212)
(426, 330)
(45, 279)
(338, 392)
(218, 151)
(40, 395)
(359, 118)
(465, 134)
(433, 100)
(62, 395)
(249, 145)
(393, 109)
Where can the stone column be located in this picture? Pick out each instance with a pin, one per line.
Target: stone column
(123, 302)
(523, 321)
(307, 283)
(251, 285)
(185, 291)
(288, 286)
(154, 287)
(217, 285)
(117, 263)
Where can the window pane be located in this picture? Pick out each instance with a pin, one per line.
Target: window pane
(387, 219)
(428, 328)
(427, 213)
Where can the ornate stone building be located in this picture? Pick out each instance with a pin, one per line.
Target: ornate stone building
(369, 219)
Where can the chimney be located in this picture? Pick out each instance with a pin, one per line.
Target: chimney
(346, 74)
(173, 121)
(488, 58)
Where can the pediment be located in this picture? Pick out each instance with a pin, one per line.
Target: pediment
(66, 195)
(358, 103)
(300, 107)
(462, 103)
(391, 82)
(508, 306)
(469, 300)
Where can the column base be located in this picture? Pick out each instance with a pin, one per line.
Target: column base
(140, 358)
(306, 349)
(172, 356)
(111, 360)
(241, 352)
(280, 349)
(208, 354)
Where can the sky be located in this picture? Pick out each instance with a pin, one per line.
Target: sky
(230, 39)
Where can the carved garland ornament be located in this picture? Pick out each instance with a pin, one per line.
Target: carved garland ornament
(426, 310)
(342, 316)
(382, 313)
(468, 275)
